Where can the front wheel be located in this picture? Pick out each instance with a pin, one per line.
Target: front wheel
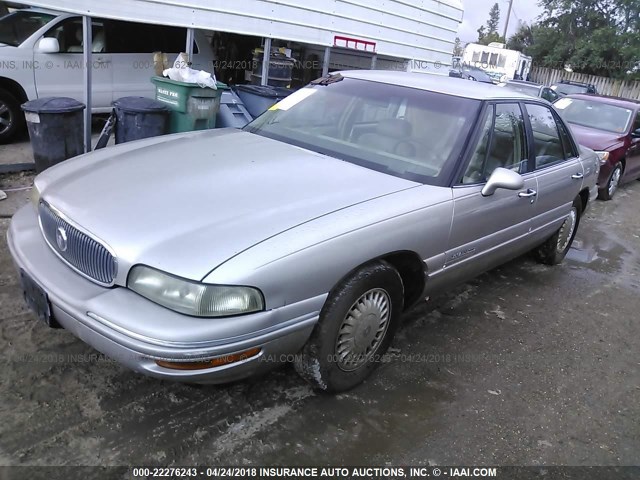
(356, 326)
(11, 117)
(610, 188)
(553, 251)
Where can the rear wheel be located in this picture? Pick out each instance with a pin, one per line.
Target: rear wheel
(553, 251)
(612, 185)
(356, 326)
(11, 117)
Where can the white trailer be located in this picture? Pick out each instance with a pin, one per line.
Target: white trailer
(500, 63)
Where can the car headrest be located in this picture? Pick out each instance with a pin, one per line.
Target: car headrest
(394, 127)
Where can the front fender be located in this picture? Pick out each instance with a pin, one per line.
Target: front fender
(310, 259)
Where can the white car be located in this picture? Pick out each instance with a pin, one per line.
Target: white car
(41, 56)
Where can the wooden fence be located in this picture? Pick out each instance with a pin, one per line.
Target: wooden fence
(606, 86)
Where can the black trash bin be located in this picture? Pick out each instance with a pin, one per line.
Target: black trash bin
(258, 98)
(56, 129)
(140, 117)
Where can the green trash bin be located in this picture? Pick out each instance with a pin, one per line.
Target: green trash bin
(192, 107)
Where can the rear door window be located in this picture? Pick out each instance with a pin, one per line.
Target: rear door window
(548, 145)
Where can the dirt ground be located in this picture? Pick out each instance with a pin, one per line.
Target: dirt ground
(526, 365)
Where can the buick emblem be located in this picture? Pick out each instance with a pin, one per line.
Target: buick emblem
(61, 239)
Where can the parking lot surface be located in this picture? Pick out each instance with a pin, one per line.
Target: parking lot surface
(525, 365)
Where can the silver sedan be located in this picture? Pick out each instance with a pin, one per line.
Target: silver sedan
(210, 256)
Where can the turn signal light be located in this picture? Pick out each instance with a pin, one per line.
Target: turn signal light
(211, 363)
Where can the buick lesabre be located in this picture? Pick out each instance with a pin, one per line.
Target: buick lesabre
(210, 256)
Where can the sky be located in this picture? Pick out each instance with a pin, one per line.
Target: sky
(476, 13)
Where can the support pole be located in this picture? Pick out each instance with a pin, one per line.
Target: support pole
(506, 24)
(87, 41)
(266, 57)
(325, 62)
(374, 61)
(189, 46)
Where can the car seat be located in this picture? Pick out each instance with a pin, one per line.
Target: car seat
(390, 136)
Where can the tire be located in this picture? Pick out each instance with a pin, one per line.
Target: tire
(473, 79)
(553, 251)
(11, 117)
(613, 183)
(343, 348)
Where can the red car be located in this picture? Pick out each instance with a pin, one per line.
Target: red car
(611, 127)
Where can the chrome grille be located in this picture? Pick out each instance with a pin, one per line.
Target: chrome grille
(77, 248)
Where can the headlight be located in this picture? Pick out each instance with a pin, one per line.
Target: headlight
(193, 298)
(35, 196)
(603, 156)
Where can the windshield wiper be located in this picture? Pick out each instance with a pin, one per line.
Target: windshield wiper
(328, 80)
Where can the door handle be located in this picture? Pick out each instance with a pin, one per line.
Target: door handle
(528, 194)
(577, 176)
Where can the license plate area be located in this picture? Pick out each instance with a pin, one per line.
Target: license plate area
(37, 300)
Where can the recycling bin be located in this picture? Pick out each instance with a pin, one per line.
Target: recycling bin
(138, 118)
(192, 106)
(56, 129)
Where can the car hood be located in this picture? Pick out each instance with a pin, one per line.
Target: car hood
(595, 139)
(187, 204)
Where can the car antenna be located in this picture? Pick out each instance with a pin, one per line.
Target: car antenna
(328, 79)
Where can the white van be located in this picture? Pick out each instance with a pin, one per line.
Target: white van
(41, 56)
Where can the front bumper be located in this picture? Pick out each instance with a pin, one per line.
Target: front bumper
(134, 331)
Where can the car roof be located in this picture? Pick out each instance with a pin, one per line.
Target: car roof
(524, 82)
(609, 100)
(573, 82)
(438, 83)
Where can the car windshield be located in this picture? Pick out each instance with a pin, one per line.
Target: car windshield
(16, 27)
(597, 115)
(568, 89)
(406, 132)
(526, 89)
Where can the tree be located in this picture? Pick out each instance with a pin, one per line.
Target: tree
(522, 39)
(594, 36)
(489, 33)
(457, 48)
(481, 34)
(494, 19)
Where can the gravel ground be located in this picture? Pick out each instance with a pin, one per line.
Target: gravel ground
(525, 365)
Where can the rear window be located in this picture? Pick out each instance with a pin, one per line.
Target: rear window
(568, 89)
(598, 115)
(16, 27)
(526, 89)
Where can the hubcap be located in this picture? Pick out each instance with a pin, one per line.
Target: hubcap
(615, 180)
(363, 329)
(5, 118)
(566, 230)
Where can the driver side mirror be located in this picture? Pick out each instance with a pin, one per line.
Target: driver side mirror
(47, 45)
(636, 133)
(502, 178)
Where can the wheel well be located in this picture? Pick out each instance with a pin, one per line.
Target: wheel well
(412, 270)
(584, 197)
(14, 89)
(623, 162)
